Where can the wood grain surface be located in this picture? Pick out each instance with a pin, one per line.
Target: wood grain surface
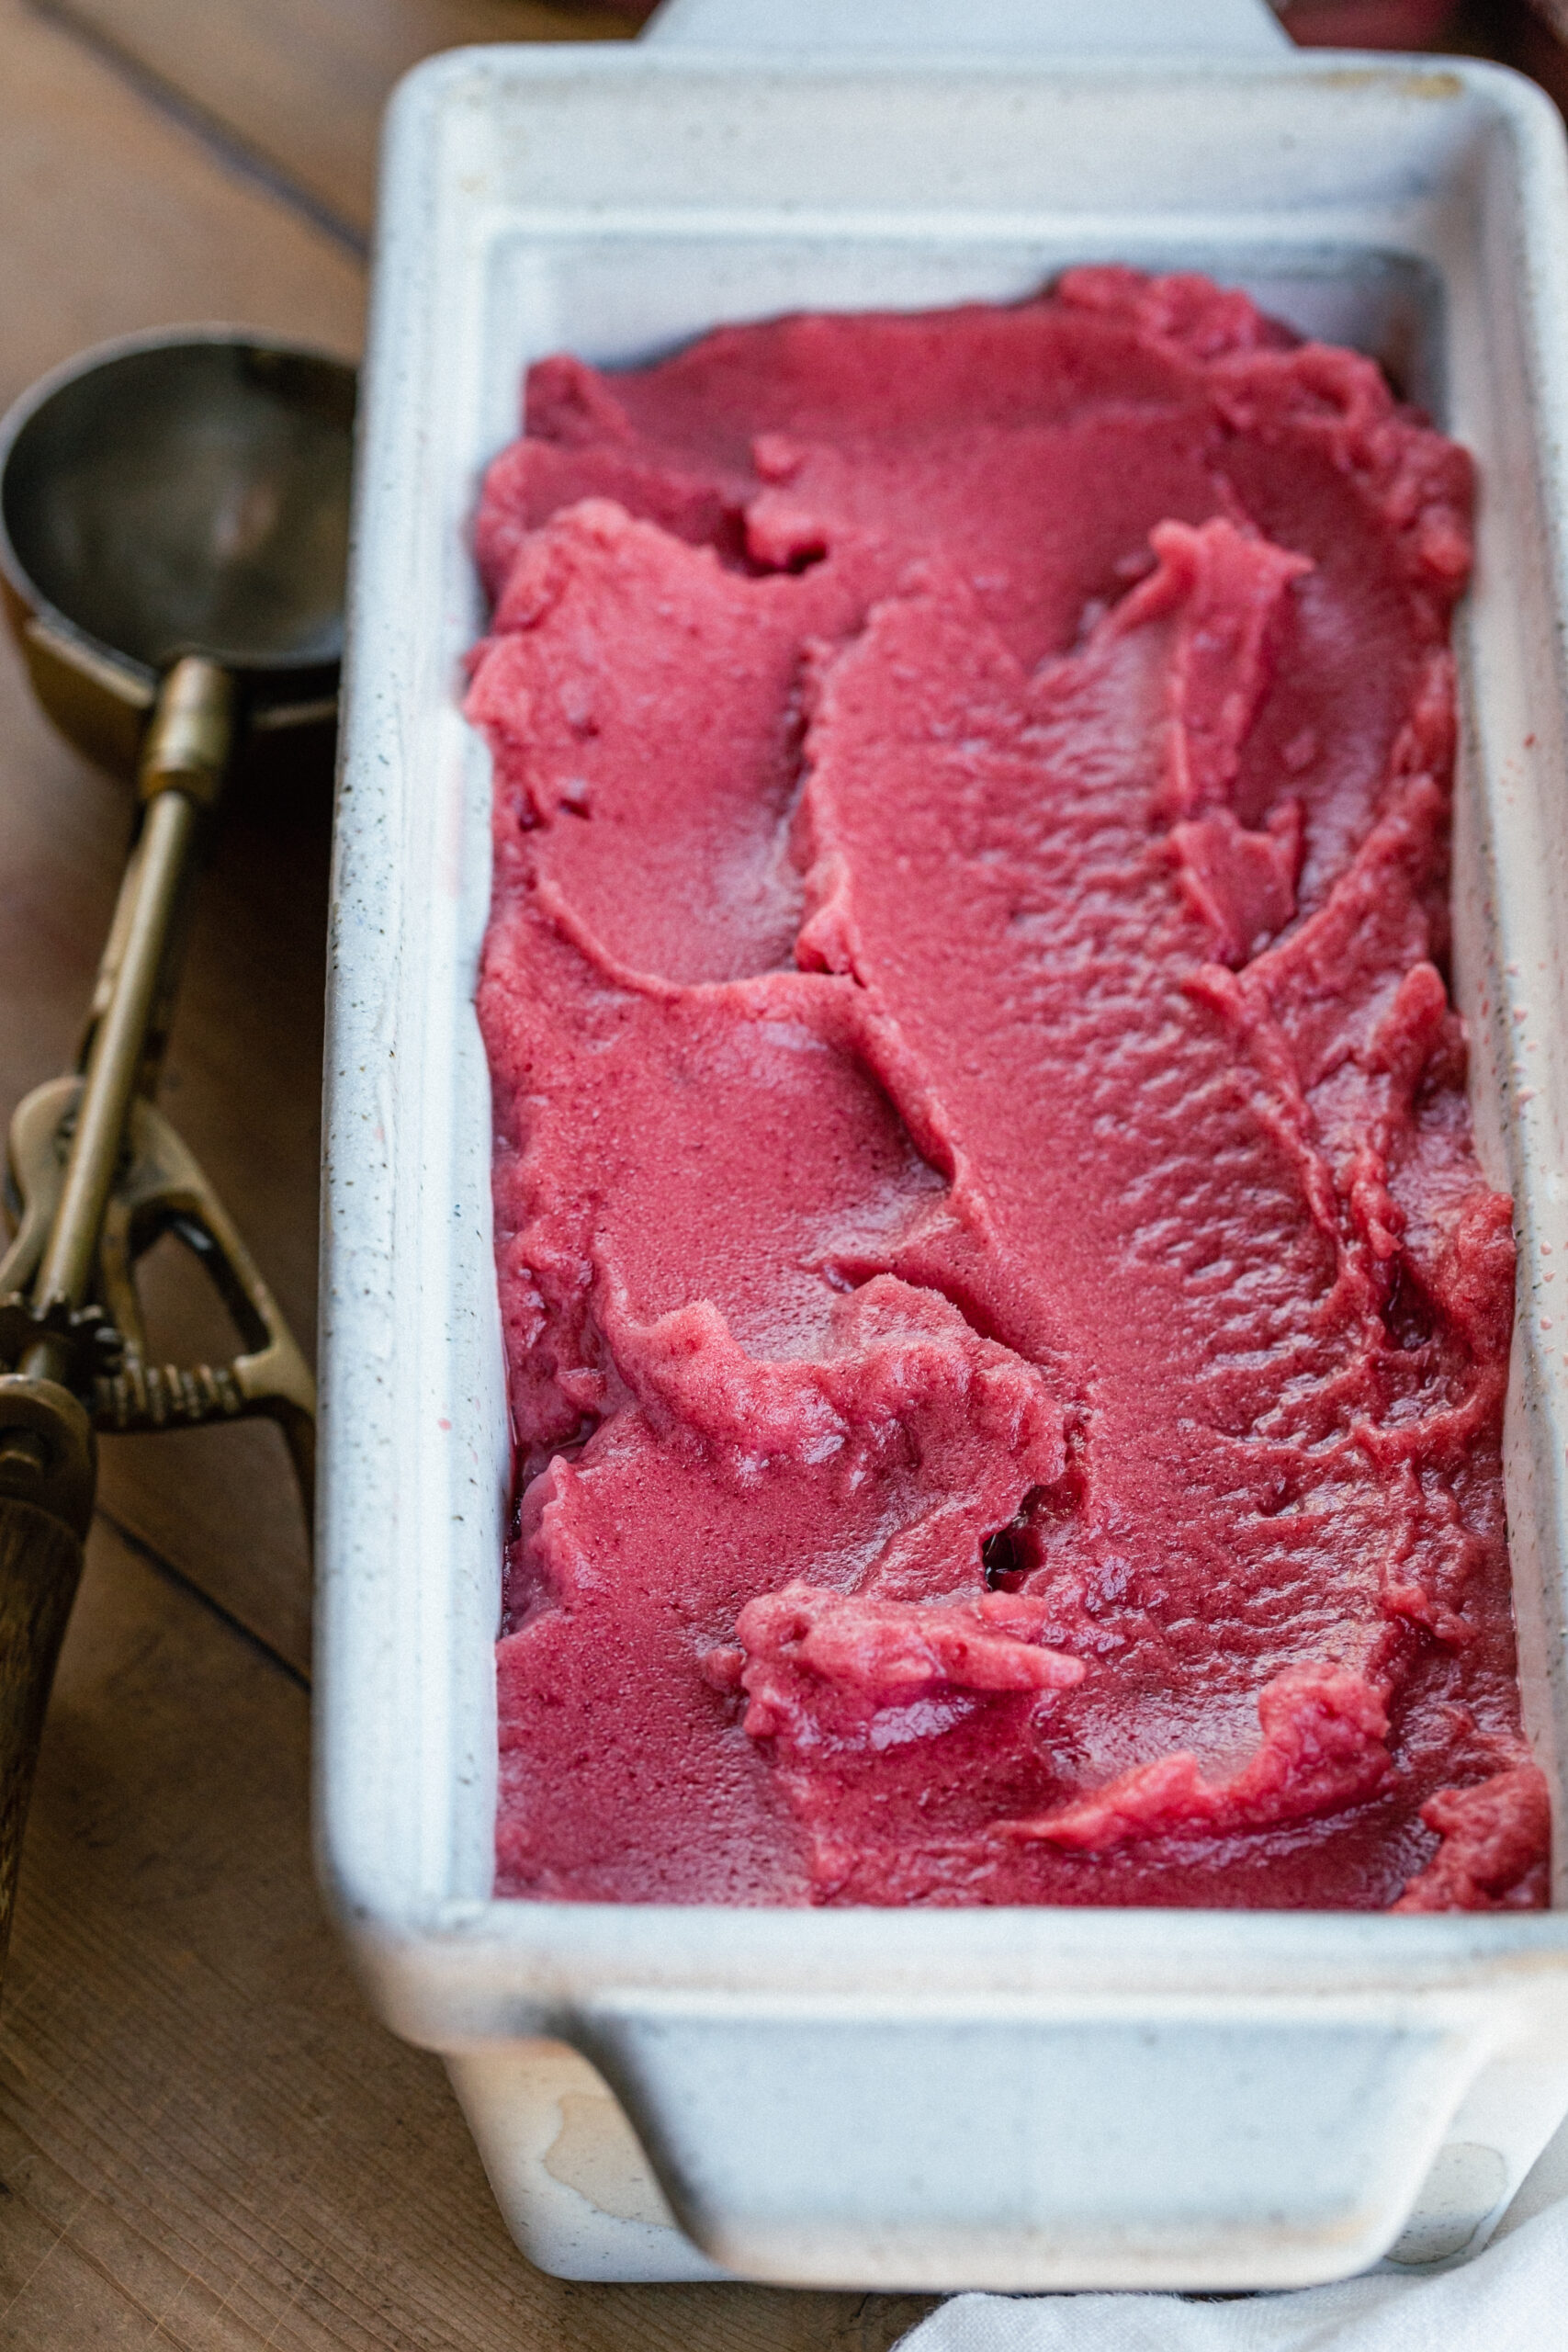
(300, 84)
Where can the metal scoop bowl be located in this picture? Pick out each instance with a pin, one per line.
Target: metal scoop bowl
(174, 534)
(172, 494)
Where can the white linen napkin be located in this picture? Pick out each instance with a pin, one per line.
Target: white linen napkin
(1513, 2297)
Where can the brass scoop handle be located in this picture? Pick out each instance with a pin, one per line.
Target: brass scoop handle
(70, 1320)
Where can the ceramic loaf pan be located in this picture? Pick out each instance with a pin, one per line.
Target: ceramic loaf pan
(1005, 2099)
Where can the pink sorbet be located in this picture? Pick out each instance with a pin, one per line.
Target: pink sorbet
(1007, 1332)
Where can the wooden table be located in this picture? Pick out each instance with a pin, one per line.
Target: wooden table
(205, 2141)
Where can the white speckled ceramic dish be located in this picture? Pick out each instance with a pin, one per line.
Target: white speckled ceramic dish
(1011, 2099)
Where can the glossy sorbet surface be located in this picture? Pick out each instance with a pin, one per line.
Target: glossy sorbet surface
(1006, 1330)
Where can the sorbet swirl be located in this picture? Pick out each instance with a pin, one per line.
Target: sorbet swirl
(1007, 1332)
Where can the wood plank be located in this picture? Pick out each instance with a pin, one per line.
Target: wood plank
(119, 219)
(203, 2135)
(302, 83)
(116, 219)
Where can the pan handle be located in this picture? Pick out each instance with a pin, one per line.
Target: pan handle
(1029, 31)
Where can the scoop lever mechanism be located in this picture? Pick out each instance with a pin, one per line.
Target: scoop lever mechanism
(160, 1189)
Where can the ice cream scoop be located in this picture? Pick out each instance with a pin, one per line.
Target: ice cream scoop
(173, 531)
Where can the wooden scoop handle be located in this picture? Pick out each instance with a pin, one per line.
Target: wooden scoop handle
(48, 1462)
(40, 1564)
